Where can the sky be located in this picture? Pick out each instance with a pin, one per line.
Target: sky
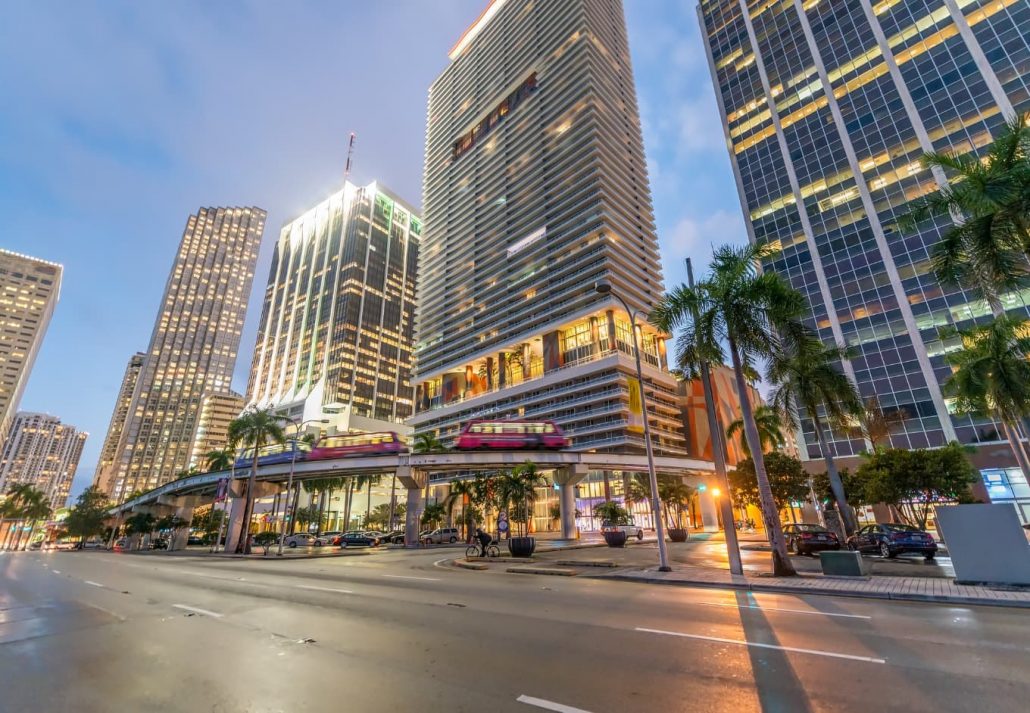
(121, 118)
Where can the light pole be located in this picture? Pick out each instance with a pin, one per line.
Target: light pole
(289, 487)
(605, 288)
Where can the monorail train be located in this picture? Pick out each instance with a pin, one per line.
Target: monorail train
(357, 444)
(275, 453)
(510, 435)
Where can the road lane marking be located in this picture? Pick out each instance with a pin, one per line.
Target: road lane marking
(56, 571)
(401, 576)
(549, 705)
(324, 589)
(92, 583)
(738, 642)
(791, 611)
(195, 610)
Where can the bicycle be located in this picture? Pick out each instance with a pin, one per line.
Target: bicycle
(476, 550)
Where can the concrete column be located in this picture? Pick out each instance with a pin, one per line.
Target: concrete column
(709, 511)
(566, 478)
(235, 519)
(414, 481)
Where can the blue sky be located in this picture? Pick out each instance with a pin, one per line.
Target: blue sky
(121, 118)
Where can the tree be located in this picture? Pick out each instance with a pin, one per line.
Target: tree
(913, 481)
(517, 492)
(770, 429)
(787, 478)
(878, 423)
(171, 523)
(20, 498)
(805, 376)
(673, 493)
(991, 376)
(87, 517)
(189, 472)
(220, 459)
(306, 515)
(32, 506)
(987, 247)
(612, 513)
(854, 486)
(428, 443)
(252, 430)
(746, 309)
(433, 515)
(463, 492)
(380, 517)
(206, 522)
(140, 523)
(320, 486)
(266, 539)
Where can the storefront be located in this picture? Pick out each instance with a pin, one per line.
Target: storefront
(1008, 485)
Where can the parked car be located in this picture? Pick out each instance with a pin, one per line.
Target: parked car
(395, 537)
(357, 539)
(193, 541)
(376, 534)
(441, 535)
(892, 539)
(631, 530)
(300, 539)
(327, 538)
(159, 544)
(805, 539)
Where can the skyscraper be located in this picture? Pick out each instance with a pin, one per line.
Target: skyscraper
(336, 330)
(103, 476)
(217, 411)
(193, 347)
(42, 452)
(535, 189)
(29, 290)
(828, 107)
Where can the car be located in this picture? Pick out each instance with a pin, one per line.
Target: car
(441, 535)
(357, 539)
(327, 538)
(395, 537)
(376, 534)
(803, 539)
(631, 530)
(159, 544)
(300, 539)
(194, 541)
(892, 539)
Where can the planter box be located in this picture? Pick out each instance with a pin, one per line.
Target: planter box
(678, 534)
(522, 546)
(615, 538)
(843, 563)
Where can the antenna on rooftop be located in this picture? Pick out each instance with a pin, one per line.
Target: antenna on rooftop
(350, 157)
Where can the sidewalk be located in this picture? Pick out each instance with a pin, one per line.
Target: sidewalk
(914, 589)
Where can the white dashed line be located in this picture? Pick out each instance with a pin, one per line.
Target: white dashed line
(324, 589)
(401, 576)
(56, 571)
(195, 610)
(789, 611)
(738, 642)
(92, 583)
(549, 705)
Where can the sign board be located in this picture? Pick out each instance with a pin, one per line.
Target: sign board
(502, 521)
(223, 489)
(636, 407)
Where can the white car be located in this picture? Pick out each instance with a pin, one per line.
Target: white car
(327, 538)
(630, 530)
(301, 539)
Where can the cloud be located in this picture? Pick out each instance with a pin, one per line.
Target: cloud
(694, 238)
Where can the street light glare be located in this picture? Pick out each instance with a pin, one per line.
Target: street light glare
(716, 492)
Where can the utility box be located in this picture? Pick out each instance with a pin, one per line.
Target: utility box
(843, 563)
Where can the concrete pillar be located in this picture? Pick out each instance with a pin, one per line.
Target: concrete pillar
(414, 481)
(235, 519)
(566, 478)
(709, 510)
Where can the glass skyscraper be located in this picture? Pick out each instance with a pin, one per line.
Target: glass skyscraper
(336, 330)
(828, 106)
(535, 188)
(44, 453)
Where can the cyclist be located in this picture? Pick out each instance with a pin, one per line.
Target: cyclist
(484, 541)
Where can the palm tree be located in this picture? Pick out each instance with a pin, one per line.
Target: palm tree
(740, 306)
(368, 481)
(21, 499)
(770, 429)
(991, 377)
(461, 491)
(805, 376)
(252, 430)
(36, 508)
(877, 423)
(518, 493)
(220, 459)
(428, 443)
(988, 246)
(433, 514)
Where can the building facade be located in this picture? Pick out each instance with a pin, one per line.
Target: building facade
(42, 452)
(827, 109)
(29, 290)
(103, 475)
(535, 189)
(193, 347)
(336, 331)
(217, 411)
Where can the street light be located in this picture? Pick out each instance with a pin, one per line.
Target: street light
(605, 288)
(289, 486)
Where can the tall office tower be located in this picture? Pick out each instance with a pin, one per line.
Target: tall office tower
(103, 475)
(29, 290)
(42, 452)
(828, 107)
(217, 411)
(193, 347)
(335, 336)
(536, 188)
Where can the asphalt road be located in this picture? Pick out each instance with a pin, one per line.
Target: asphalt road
(399, 631)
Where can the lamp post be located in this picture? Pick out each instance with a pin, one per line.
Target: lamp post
(289, 487)
(605, 288)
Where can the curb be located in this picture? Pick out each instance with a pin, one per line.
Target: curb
(469, 565)
(889, 596)
(541, 570)
(585, 563)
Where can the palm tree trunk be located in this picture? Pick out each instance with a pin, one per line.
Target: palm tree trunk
(1016, 446)
(321, 512)
(17, 539)
(836, 485)
(28, 538)
(393, 500)
(347, 504)
(782, 566)
(293, 510)
(368, 506)
(243, 546)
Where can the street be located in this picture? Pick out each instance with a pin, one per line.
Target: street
(402, 630)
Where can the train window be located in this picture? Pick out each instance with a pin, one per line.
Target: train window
(549, 428)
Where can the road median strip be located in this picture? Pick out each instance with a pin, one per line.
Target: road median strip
(553, 571)
(465, 564)
(585, 563)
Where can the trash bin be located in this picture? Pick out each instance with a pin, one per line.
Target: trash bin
(843, 563)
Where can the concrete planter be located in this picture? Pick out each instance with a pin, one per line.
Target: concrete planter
(522, 546)
(678, 534)
(615, 538)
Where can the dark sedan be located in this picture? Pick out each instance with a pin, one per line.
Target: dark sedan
(357, 539)
(892, 539)
(806, 539)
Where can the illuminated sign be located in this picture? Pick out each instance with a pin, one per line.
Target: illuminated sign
(484, 127)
